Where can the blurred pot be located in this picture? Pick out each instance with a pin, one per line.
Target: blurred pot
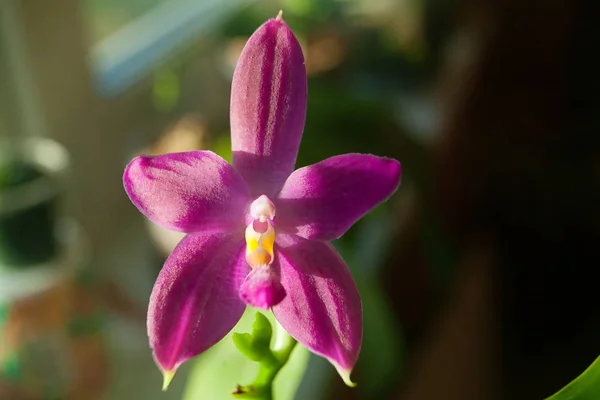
(32, 176)
(51, 343)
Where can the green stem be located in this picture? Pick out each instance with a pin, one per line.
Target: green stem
(269, 366)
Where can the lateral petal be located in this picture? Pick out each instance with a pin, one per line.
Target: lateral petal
(322, 308)
(321, 201)
(189, 192)
(195, 300)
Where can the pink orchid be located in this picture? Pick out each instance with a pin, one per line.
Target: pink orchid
(258, 232)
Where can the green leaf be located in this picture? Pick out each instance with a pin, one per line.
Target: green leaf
(585, 387)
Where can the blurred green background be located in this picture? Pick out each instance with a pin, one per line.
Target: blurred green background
(476, 276)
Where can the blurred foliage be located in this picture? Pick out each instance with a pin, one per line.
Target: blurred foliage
(383, 343)
(16, 173)
(107, 16)
(166, 91)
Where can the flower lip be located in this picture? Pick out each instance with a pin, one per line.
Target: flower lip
(262, 288)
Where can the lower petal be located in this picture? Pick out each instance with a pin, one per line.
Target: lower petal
(322, 307)
(194, 303)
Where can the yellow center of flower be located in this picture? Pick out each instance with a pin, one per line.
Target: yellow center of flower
(260, 234)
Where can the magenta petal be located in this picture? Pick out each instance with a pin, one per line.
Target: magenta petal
(323, 200)
(268, 107)
(262, 288)
(322, 307)
(195, 301)
(187, 192)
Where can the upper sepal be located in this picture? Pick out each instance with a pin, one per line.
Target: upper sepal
(268, 107)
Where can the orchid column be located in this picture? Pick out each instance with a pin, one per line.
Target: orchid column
(258, 231)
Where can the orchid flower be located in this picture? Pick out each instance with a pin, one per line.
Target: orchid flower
(258, 232)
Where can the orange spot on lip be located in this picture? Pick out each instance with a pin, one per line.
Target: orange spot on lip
(258, 257)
